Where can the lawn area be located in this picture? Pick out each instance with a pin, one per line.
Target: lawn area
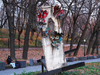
(88, 69)
(4, 37)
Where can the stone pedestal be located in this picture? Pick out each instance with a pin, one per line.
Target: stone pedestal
(2, 65)
(31, 62)
(22, 64)
(82, 58)
(94, 57)
(98, 56)
(70, 59)
(89, 57)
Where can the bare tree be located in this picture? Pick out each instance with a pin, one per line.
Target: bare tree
(94, 32)
(10, 15)
(79, 11)
(3, 18)
(74, 12)
(13, 19)
(32, 11)
(86, 26)
(16, 11)
(75, 15)
(95, 44)
(21, 19)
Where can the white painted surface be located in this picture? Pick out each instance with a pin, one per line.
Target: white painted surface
(55, 58)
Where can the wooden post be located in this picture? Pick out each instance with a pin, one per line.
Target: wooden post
(42, 65)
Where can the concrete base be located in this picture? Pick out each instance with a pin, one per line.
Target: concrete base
(2, 65)
(70, 59)
(22, 64)
(89, 57)
(75, 58)
(94, 57)
(98, 56)
(82, 58)
(35, 62)
(31, 62)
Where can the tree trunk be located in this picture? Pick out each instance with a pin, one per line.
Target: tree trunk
(74, 28)
(82, 36)
(96, 27)
(11, 28)
(95, 44)
(31, 24)
(72, 38)
(79, 43)
(12, 41)
(97, 36)
(12, 37)
(97, 49)
(32, 33)
(19, 40)
(36, 40)
(19, 44)
(90, 43)
(98, 39)
(26, 40)
(93, 47)
(20, 32)
(69, 32)
(75, 17)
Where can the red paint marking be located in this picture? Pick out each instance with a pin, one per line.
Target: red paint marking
(42, 15)
(48, 45)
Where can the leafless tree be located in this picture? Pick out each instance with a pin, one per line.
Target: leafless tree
(93, 33)
(32, 21)
(9, 9)
(81, 11)
(3, 18)
(91, 7)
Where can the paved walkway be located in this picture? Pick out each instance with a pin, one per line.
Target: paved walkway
(38, 68)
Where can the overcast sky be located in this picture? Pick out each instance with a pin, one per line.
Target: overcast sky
(1, 3)
(52, 1)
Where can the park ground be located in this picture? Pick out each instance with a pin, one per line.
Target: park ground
(34, 53)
